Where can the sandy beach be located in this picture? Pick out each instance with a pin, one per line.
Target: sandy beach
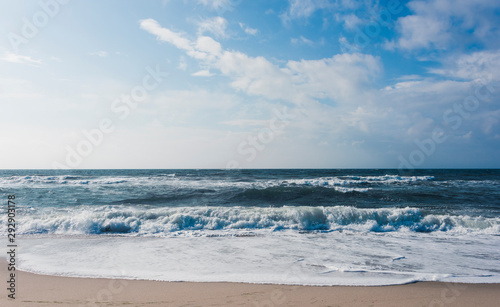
(41, 290)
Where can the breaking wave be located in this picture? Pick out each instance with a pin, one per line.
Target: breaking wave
(206, 220)
(172, 179)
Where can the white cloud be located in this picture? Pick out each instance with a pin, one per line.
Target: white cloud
(247, 122)
(414, 35)
(416, 108)
(99, 53)
(56, 59)
(248, 30)
(202, 73)
(337, 100)
(298, 81)
(182, 63)
(302, 41)
(256, 75)
(215, 4)
(251, 31)
(164, 34)
(205, 48)
(339, 77)
(304, 8)
(200, 107)
(351, 21)
(340, 82)
(216, 26)
(19, 59)
(483, 65)
(194, 100)
(442, 23)
(208, 45)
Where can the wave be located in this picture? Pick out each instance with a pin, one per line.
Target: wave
(349, 180)
(230, 221)
(172, 179)
(81, 180)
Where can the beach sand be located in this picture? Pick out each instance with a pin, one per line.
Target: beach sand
(42, 290)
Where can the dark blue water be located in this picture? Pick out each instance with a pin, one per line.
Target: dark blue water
(444, 193)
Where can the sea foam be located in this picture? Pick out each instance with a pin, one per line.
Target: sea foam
(165, 221)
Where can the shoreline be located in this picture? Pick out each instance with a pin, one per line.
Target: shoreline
(47, 290)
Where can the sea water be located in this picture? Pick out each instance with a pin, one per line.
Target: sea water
(308, 227)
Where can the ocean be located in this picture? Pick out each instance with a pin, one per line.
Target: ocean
(301, 227)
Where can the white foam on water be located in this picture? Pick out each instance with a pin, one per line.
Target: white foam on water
(172, 179)
(351, 180)
(337, 258)
(165, 221)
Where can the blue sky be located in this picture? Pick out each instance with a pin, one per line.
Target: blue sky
(249, 84)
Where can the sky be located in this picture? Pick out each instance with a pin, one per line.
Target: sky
(250, 84)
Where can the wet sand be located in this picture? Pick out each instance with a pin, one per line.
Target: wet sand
(43, 290)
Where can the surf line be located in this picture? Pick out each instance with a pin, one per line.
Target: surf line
(11, 246)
